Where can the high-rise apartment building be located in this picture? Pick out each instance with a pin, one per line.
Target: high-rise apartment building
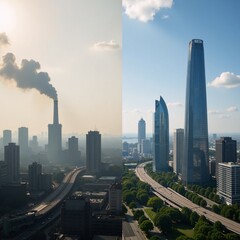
(93, 152)
(228, 182)
(141, 133)
(34, 172)
(23, 140)
(195, 163)
(73, 152)
(178, 150)
(11, 157)
(161, 137)
(55, 136)
(7, 137)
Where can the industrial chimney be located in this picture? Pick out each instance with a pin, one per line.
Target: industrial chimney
(55, 112)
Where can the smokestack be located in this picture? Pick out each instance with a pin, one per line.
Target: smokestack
(55, 112)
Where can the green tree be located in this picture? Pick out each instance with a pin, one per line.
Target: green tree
(193, 218)
(231, 236)
(138, 213)
(155, 202)
(132, 205)
(146, 226)
(163, 222)
(154, 237)
(141, 219)
(186, 212)
(215, 208)
(128, 197)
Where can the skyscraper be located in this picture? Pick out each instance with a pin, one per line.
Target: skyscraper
(93, 152)
(7, 137)
(55, 136)
(23, 140)
(34, 172)
(178, 150)
(141, 133)
(161, 137)
(195, 164)
(226, 151)
(11, 157)
(73, 153)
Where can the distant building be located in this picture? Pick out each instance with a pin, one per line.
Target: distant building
(125, 149)
(178, 148)
(226, 151)
(11, 157)
(212, 167)
(73, 152)
(33, 144)
(146, 146)
(76, 217)
(54, 147)
(34, 173)
(195, 162)
(7, 137)
(23, 141)
(3, 172)
(115, 198)
(228, 182)
(45, 182)
(141, 133)
(93, 152)
(161, 137)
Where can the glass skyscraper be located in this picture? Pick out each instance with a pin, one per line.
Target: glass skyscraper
(161, 137)
(195, 163)
(141, 133)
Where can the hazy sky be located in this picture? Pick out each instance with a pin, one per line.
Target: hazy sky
(156, 35)
(78, 43)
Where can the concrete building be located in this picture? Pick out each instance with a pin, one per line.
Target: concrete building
(76, 217)
(33, 144)
(178, 148)
(161, 137)
(7, 137)
(12, 159)
(141, 133)
(54, 147)
(34, 172)
(146, 147)
(226, 151)
(3, 172)
(228, 182)
(195, 162)
(23, 141)
(93, 152)
(115, 198)
(73, 152)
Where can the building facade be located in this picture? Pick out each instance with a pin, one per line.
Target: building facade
(178, 150)
(12, 159)
(73, 153)
(34, 172)
(7, 137)
(228, 182)
(161, 137)
(23, 140)
(93, 152)
(195, 164)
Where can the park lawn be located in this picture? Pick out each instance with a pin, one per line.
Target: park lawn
(150, 213)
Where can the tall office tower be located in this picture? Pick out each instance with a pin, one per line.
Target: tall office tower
(226, 151)
(33, 144)
(55, 136)
(11, 157)
(23, 140)
(7, 137)
(161, 137)
(34, 172)
(141, 133)
(93, 152)
(73, 153)
(146, 146)
(195, 162)
(178, 150)
(228, 182)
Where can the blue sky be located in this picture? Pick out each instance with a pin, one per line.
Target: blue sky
(156, 35)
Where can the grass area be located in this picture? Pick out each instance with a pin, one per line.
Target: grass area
(151, 214)
(185, 229)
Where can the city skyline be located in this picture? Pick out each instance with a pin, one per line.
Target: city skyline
(156, 64)
(79, 55)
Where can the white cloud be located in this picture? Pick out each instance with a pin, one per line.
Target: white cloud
(3, 39)
(227, 80)
(214, 112)
(174, 104)
(165, 17)
(144, 10)
(232, 109)
(105, 46)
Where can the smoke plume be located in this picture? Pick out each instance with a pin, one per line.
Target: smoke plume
(27, 76)
(3, 39)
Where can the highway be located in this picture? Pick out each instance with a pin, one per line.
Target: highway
(181, 201)
(50, 203)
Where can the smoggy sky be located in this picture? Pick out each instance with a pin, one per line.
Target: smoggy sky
(156, 35)
(73, 47)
